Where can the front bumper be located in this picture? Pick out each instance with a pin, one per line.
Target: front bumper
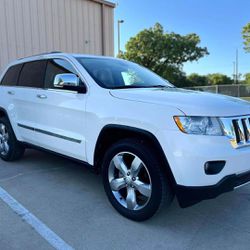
(187, 156)
(190, 195)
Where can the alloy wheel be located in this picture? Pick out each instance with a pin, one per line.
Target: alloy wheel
(4, 140)
(130, 181)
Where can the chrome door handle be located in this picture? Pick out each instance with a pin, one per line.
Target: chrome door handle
(11, 92)
(42, 96)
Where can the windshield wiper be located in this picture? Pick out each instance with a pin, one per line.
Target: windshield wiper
(159, 86)
(141, 86)
(129, 87)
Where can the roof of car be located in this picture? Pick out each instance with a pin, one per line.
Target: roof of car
(54, 54)
(51, 55)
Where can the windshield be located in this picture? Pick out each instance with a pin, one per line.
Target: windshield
(116, 74)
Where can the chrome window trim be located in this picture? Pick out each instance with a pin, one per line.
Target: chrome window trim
(45, 57)
(62, 90)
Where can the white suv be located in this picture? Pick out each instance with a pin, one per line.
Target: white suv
(150, 140)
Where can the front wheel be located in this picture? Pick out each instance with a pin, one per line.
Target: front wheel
(134, 181)
(10, 148)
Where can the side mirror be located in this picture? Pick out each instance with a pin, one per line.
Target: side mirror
(69, 82)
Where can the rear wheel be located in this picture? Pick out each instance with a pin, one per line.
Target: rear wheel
(10, 148)
(134, 181)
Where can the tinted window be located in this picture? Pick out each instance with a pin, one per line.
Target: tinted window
(55, 67)
(11, 76)
(32, 74)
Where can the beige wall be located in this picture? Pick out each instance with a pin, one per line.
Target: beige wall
(34, 26)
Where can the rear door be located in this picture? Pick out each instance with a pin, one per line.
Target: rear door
(8, 90)
(25, 99)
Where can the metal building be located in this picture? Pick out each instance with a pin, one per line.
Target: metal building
(34, 26)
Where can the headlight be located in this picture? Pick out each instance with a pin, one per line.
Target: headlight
(199, 125)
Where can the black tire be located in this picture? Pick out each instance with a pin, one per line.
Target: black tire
(161, 191)
(16, 149)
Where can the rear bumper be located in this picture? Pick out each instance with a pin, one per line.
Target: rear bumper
(188, 195)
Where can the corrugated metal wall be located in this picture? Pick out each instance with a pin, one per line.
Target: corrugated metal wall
(33, 26)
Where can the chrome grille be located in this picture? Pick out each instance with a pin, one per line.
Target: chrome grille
(238, 130)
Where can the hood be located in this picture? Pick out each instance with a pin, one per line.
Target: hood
(190, 102)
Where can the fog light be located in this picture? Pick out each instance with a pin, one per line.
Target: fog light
(214, 167)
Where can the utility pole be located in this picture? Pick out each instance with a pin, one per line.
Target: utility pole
(119, 35)
(234, 74)
(237, 68)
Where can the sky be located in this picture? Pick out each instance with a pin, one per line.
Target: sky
(217, 22)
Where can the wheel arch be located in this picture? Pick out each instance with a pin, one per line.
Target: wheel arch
(112, 133)
(3, 113)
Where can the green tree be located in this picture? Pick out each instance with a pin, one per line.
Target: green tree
(176, 76)
(197, 80)
(218, 79)
(246, 37)
(247, 78)
(164, 53)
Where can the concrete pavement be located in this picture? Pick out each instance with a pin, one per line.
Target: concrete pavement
(70, 200)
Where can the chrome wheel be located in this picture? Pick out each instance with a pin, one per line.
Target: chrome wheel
(4, 140)
(129, 181)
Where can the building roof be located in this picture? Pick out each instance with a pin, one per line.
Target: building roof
(107, 3)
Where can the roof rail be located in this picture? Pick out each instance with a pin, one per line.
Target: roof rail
(41, 54)
(55, 52)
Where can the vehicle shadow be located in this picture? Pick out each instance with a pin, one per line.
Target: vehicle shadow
(66, 194)
(223, 209)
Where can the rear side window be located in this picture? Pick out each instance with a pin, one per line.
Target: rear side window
(11, 76)
(32, 74)
(55, 67)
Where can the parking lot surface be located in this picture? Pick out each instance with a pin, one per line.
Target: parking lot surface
(70, 201)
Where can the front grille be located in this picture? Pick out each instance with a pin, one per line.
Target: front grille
(238, 130)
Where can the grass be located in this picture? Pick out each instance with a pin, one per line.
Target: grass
(246, 98)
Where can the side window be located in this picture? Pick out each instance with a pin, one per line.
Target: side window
(11, 76)
(55, 67)
(32, 74)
